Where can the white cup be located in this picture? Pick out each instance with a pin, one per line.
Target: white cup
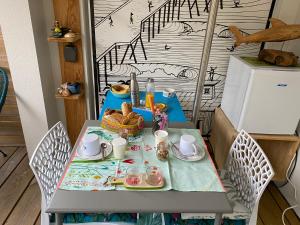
(187, 144)
(90, 145)
(161, 136)
(119, 147)
(168, 92)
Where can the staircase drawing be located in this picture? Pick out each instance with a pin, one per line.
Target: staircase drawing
(168, 11)
(165, 42)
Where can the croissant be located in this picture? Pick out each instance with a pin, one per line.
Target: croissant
(115, 120)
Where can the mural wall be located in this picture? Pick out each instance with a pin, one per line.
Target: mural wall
(163, 39)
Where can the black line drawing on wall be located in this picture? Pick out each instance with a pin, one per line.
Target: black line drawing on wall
(164, 40)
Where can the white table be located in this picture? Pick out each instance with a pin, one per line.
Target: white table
(137, 201)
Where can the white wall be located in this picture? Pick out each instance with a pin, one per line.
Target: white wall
(289, 12)
(24, 30)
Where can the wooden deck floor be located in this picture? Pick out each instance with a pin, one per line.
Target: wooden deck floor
(20, 194)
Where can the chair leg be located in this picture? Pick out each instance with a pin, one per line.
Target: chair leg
(253, 218)
(3, 153)
(59, 218)
(218, 219)
(44, 216)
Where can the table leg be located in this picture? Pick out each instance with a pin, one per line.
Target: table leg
(59, 218)
(218, 219)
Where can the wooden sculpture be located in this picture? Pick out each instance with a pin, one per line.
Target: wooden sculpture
(116, 120)
(277, 57)
(279, 31)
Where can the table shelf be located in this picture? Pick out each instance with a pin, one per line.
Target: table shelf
(64, 40)
(71, 97)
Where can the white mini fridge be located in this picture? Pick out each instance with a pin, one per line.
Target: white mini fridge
(262, 99)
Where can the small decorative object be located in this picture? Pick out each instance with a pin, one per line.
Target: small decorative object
(58, 31)
(162, 152)
(74, 87)
(280, 31)
(277, 57)
(160, 107)
(115, 120)
(70, 34)
(67, 89)
(63, 90)
(120, 90)
(160, 121)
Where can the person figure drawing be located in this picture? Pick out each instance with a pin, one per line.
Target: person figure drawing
(131, 18)
(150, 5)
(111, 21)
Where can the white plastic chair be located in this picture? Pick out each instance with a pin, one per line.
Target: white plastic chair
(48, 163)
(247, 174)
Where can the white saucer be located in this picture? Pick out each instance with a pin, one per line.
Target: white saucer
(190, 158)
(107, 152)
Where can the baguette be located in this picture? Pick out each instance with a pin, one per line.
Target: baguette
(126, 108)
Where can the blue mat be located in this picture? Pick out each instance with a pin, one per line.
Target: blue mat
(175, 112)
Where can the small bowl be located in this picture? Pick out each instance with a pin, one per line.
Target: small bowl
(74, 88)
(169, 92)
(126, 95)
(120, 90)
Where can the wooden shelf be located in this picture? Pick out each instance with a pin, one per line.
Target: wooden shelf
(71, 97)
(64, 40)
(280, 149)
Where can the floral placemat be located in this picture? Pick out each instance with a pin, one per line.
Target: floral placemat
(178, 175)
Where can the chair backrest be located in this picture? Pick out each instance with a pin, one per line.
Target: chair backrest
(49, 159)
(248, 169)
(3, 87)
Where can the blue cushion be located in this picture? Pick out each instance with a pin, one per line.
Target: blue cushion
(175, 219)
(100, 217)
(3, 87)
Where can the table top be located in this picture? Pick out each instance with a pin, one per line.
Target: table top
(137, 201)
(175, 113)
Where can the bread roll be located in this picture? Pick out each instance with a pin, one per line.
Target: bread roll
(117, 116)
(126, 108)
(131, 115)
(132, 121)
(140, 122)
(125, 121)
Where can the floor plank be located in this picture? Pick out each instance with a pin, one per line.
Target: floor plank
(11, 164)
(259, 221)
(28, 207)
(10, 109)
(282, 203)
(11, 131)
(38, 221)
(12, 140)
(13, 188)
(269, 211)
(9, 151)
(5, 123)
